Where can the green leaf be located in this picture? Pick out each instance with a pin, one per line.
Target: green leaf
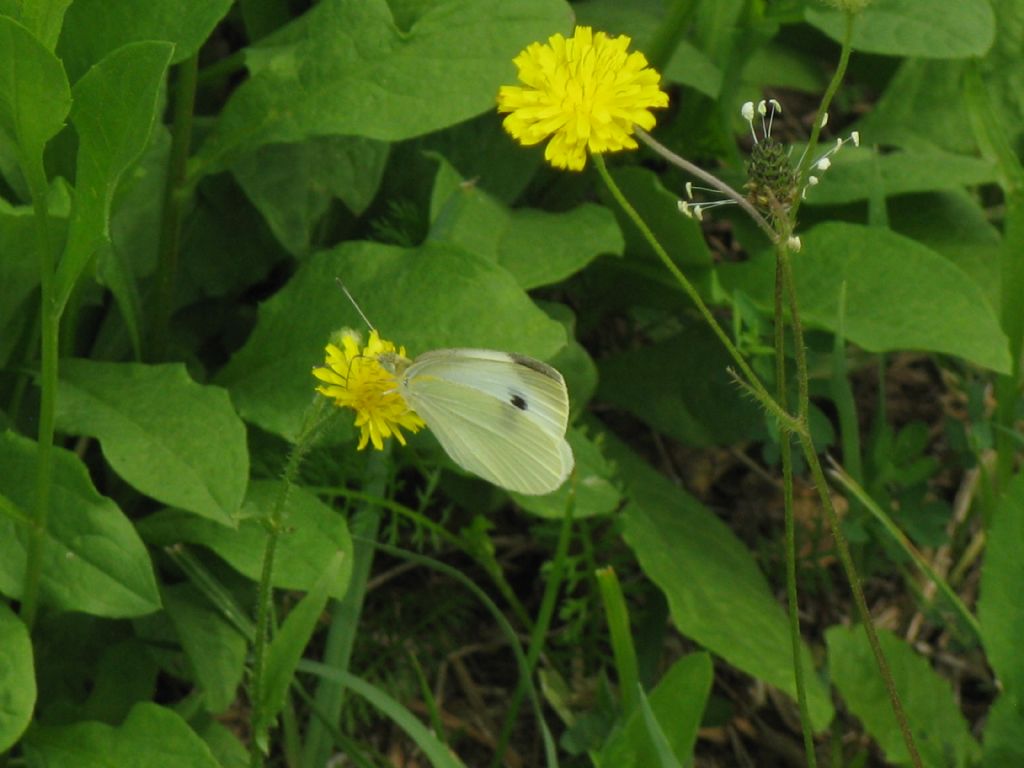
(150, 737)
(900, 294)
(401, 292)
(290, 641)
(939, 730)
(292, 185)
(171, 438)
(680, 236)
(857, 173)
(1002, 622)
(34, 92)
(17, 678)
(214, 647)
(355, 67)
(438, 753)
(1003, 727)
(93, 560)
(44, 19)
(537, 247)
(914, 28)
(124, 675)
(314, 532)
(94, 28)
(19, 271)
(720, 598)
(114, 109)
(696, 403)
(593, 481)
(677, 704)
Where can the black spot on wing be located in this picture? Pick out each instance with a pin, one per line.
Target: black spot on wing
(518, 401)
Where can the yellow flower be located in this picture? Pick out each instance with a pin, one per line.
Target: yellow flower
(356, 379)
(585, 92)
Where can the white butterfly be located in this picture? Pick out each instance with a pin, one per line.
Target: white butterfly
(499, 415)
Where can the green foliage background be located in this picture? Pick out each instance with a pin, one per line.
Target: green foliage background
(193, 256)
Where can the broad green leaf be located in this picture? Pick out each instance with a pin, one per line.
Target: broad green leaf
(93, 560)
(856, 173)
(358, 68)
(169, 437)
(313, 533)
(939, 730)
(537, 247)
(593, 481)
(423, 298)
(293, 184)
(680, 236)
(956, 225)
(291, 639)
(914, 28)
(223, 742)
(922, 108)
(44, 19)
(114, 109)
(94, 28)
(900, 294)
(677, 703)
(716, 594)
(215, 648)
(150, 737)
(34, 93)
(999, 607)
(1003, 727)
(656, 738)
(696, 402)
(17, 678)
(777, 65)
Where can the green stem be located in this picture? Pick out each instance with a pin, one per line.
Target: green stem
(786, 453)
(671, 30)
(314, 419)
(803, 171)
(857, 490)
(49, 314)
(174, 197)
(344, 627)
(811, 455)
(540, 629)
(754, 385)
(709, 178)
(843, 549)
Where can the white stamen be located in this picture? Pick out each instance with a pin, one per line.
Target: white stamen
(775, 105)
(855, 138)
(747, 110)
(689, 189)
(762, 107)
(812, 181)
(824, 164)
(794, 244)
(824, 120)
(698, 212)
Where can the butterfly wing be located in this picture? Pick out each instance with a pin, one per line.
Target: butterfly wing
(500, 416)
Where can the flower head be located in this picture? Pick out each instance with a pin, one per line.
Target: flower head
(585, 93)
(356, 379)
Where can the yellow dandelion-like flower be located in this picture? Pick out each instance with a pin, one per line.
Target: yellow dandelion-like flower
(355, 379)
(585, 92)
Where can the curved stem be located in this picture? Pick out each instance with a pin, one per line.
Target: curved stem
(751, 383)
(812, 144)
(709, 178)
(259, 744)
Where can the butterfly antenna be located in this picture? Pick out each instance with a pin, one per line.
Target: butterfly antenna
(356, 305)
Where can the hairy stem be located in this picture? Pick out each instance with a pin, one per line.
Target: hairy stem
(786, 453)
(259, 744)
